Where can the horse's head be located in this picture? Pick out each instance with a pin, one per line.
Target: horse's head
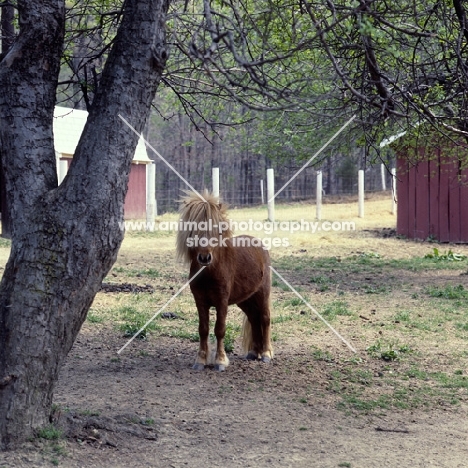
(203, 228)
(204, 255)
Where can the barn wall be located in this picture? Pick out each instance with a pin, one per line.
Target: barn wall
(135, 201)
(432, 198)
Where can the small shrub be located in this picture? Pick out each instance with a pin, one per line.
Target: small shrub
(448, 256)
(49, 432)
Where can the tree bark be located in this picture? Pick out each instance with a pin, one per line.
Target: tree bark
(64, 239)
(7, 30)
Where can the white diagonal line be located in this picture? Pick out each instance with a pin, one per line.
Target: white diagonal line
(160, 310)
(161, 157)
(314, 311)
(313, 157)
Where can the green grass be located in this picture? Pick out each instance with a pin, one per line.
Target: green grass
(388, 350)
(150, 273)
(320, 355)
(133, 319)
(185, 328)
(281, 319)
(323, 282)
(361, 390)
(277, 283)
(157, 234)
(295, 301)
(320, 267)
(94, 317)
(49, 432)
(448, 292)
(334, 308)
(5, 243)
(232, 332)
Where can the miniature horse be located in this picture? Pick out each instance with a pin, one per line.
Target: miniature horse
(235, 271)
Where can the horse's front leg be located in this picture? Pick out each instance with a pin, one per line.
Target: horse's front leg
(221, 359)
(203, 331)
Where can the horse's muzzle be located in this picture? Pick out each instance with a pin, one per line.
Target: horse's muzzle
(204, 259)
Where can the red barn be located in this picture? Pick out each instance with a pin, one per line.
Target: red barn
(68, 126)
(432, 189)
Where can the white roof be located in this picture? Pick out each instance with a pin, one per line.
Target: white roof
(68, 126)
(391, 139)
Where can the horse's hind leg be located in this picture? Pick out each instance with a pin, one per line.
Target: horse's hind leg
(257, 309)
(267, 348)
(203, 330)
(252, 340)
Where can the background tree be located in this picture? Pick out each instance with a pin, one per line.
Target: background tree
(402, 63)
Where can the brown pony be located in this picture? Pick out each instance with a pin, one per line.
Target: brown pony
(235, 271)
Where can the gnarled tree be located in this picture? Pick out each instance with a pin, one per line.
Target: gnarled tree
(64, 238)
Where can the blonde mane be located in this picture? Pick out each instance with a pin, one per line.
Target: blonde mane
(195, 211)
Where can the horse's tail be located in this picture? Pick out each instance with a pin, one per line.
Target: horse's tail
(247, 338)
(267, 334)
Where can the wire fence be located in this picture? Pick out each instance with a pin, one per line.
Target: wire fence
(300, 189)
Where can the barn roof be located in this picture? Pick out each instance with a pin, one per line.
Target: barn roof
(68, 126)
(391, 139)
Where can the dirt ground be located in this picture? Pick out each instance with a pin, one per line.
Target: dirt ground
(148, 408)
(248, 416)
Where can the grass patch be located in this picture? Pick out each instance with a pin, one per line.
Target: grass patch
(361, 390)
(133, 320)
(331, 310)
(280, 284)
(448, 292)
(295, 301)
(323, 282)
(49, 432)
(232, 332)
(369, 262)
(320, 355)
(281, 319)
(150, 273)
(94, 317)
(388, 351)
(5, 243)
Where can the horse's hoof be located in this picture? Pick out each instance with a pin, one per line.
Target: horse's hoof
(251, 357)
(219, 367)
(198, 366)
(266, 359)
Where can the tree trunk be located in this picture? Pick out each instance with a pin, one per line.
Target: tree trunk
(7, 31)
(64, 239)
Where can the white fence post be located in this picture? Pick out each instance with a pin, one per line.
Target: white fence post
(151, 210)
(215, 176)
(271, 194)
(62, 170)
(382, 175)
(318, 197)
(394, 193)
(261, 192)
(361, 193)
